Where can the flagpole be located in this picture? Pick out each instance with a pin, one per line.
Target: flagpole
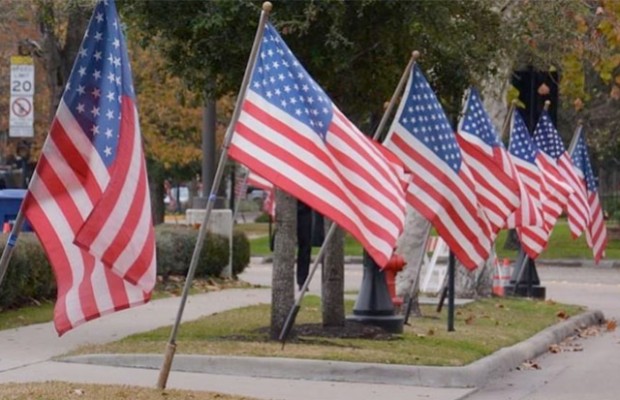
(171, 345)
(11, 242)
(507, 121)
(573, 142)
(292, 315)
(399, 88)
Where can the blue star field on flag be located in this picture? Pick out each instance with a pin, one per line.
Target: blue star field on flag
(424, 117)
(97, 82)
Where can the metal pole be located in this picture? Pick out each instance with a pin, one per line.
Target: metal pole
(520, 274)
(451, 277)
(171, 345)
(10, 243)
(573, 142)
(290, 319)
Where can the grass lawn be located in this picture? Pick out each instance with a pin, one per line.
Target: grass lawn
(561, 245)
(63, 391)
(481, 328)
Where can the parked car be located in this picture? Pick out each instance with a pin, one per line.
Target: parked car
(256, 195)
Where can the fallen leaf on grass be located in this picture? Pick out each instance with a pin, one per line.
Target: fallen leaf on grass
(470, 320)
(562, 314)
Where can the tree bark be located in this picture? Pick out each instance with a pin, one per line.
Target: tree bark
(58, 59)
(332, 285)
(477, 283)
(410, 246)
(283, 274)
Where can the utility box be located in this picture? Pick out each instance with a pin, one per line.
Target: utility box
(10, 202)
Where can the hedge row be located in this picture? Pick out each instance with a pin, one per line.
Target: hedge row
(29, 275)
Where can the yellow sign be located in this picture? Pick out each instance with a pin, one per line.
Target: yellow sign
(21, 60)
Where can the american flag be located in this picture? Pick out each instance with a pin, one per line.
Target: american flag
(442, 187)
(269, 204)
(596, 232)
(548, 140)
(88, 200)
(291, 133)
(490, 165)
(258, 181)
(539, 177)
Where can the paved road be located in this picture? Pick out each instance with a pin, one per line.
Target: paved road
(571, 375)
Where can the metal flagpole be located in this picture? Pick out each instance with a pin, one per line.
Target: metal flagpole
(573, 142)
(451, 278)
(290, 318)
(10, 243)
(171, 345)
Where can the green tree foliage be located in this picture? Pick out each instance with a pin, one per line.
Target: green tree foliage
(581, 39)
(355, 49)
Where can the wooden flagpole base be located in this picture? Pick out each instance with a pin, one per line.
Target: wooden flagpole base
(165, 367)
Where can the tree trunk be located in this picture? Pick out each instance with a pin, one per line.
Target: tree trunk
(477, 283)
(410, 246)
(332, 286)
(283, 273)
(58, 60)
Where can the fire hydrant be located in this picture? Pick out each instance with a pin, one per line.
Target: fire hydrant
(394, 266)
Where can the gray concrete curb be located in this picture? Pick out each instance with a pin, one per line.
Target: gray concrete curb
(473, 375)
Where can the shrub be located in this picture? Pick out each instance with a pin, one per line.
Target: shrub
(175, 247)
(241, 252)
(263, 217)
(29, 275)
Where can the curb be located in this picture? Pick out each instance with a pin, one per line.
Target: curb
(475, 374)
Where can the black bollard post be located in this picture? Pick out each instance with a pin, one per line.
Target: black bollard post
(374, 304)
(525, 281)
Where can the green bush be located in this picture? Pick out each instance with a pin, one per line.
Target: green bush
(264, 217)
(241, 252)
(29, 275)
(175, 247)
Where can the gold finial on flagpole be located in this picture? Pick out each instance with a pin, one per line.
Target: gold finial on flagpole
(267, 6)
(415, 55)
(547, 104)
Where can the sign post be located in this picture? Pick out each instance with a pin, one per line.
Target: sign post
(21, 119)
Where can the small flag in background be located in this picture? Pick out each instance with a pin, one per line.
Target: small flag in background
(596, 232)
(490, 165)
(442, 187)
(292, 134)
(548, 140)
(88, 200)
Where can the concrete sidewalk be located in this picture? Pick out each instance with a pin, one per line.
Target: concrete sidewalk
(27, 354)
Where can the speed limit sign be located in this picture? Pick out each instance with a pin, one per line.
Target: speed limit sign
(21, 108)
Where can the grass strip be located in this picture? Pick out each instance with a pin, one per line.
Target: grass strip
(482, 327)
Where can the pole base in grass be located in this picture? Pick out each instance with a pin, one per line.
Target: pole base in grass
(389, 323)
(538, 292)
